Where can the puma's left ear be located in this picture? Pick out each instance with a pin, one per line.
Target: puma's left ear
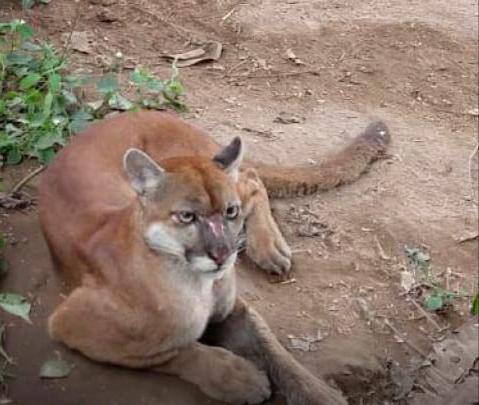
(144, 173)
(230, 157)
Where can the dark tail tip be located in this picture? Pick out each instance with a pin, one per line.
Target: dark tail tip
(377, 132)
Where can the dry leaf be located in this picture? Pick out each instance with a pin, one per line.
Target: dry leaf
(209, 51)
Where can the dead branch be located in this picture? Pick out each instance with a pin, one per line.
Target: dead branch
(20, 184)
(426, 314)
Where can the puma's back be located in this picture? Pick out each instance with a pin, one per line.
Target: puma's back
(86, 189)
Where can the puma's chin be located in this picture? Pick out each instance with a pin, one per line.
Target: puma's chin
(204, 264)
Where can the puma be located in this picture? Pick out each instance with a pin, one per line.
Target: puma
(144, 216)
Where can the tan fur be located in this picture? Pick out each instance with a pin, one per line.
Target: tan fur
(132, 305)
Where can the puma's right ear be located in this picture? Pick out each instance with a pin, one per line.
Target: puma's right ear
(230, 157)
(143, 172)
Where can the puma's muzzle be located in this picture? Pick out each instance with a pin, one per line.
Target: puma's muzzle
(218, 240)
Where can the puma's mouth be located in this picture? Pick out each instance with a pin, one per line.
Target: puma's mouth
(204, 264)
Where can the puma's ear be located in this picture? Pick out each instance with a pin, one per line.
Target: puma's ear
(230, 157)
(143, 172)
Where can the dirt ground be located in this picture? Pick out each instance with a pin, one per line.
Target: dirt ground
(412, 63)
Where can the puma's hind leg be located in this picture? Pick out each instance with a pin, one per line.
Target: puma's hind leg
(265, 244)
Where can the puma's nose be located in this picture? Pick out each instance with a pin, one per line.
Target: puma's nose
(219, 254)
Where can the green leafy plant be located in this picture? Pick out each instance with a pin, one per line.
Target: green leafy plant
(16, 305)
(149, 92)
(27, 4)
(475, 305)
(41, 105)
(13, 303)
(39, 109)
(437, 298)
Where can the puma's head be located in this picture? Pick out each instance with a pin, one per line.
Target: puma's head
(191, 208)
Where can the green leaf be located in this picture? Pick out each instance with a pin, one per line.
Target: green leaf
(418, 258)
(28, 3)
(69, 97)
(47, 140)
(46, 155)
(80, 121)
(30, 81)
(118, 102)
(434, 302)
(16, 305)
(24, 30)
(47, 104)
(14, 156)
(55, 368)
(143, 78)
(475, 305)
(5, 141)
(30, 46)
(54, 81)
(18, 59)
(77, 80)
(138, 76)
(108, 84)
(175, 87)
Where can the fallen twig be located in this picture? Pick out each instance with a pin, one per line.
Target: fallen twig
(382, 254)
(287, 281)
(400, 336)
(468, 238)
(278, 74)
(229, 14)
(308, 251)
(426, 315)
(3, 353)
(17, 187)
(473, 183)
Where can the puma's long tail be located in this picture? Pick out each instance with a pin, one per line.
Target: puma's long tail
(342, 167)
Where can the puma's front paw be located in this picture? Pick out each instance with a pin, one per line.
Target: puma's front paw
(265, 245)
(236, 380)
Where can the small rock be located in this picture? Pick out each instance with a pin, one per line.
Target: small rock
(365, 69)
(285, 118)
(306, 343)
(79, 41)
(289, 54)
(407, 280)
(106, 16)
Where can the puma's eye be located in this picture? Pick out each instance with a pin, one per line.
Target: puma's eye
(232, 212)
(186, 217)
